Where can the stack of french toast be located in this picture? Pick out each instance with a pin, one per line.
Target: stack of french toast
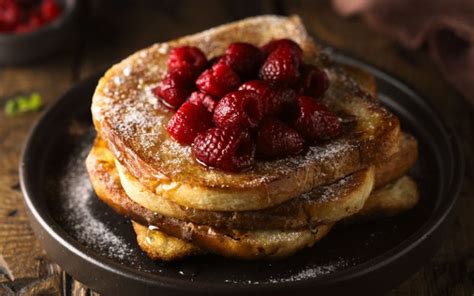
(184, 201)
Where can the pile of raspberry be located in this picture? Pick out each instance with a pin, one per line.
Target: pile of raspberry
(27, 15)
(250, 103)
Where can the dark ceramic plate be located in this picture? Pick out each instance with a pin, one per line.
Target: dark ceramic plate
(97, 247)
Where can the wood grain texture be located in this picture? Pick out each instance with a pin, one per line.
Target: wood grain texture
(31, 272)
(114, 29)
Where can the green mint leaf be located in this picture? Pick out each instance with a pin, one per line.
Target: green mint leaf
(21, 104)
(11, 108)
(35, 101)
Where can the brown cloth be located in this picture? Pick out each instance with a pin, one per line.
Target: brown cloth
(446, 26)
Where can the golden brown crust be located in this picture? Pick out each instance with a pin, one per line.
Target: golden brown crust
(323, 205)
(395, 198)
(160, 246)
(365, 80)
(132, 123)
(232, 243)
(229, 243)
(399, 163)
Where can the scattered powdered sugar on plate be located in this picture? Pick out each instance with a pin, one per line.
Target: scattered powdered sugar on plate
(79, 216)
(309, 272)
(312, 272)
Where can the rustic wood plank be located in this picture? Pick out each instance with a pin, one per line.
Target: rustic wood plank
(30, 271)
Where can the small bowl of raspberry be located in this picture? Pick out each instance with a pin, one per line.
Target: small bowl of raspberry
(33, 29)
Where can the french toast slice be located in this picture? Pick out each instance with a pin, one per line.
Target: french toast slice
(364, 79)
(399, 163)
(159, 246)
(399, 196)
(132, 122)
(244, 245)
(390, 200)
(407, 154)
(322, 205)
(340, 200)
(227, 242)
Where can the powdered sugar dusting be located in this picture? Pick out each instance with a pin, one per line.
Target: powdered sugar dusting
(78, 213)
(163, 48)
(312, 272)
(138, 126)
(309, 272)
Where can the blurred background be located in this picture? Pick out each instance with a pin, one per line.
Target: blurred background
(48, 46)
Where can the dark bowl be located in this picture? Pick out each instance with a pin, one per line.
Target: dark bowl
(23, 48)
(98, 247)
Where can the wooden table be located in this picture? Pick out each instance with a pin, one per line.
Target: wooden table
(110, 30)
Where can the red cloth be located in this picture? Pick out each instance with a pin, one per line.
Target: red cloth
(446, 26)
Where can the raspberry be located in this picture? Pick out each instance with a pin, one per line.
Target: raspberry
(281, 67)
(243, 58)
(276, 139)
(10, 15)
(49, 10)
(3, 28)
(34, 22)
(274, 44)
(190, 120)
(226, 149)
(25, 16)
(206, 100)
(274, 100)
(218, 80)
(264, 92)
(314, 82)
(240, 109)
(284, 98)
(173, 89)
(315, 121)
(187, 58)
